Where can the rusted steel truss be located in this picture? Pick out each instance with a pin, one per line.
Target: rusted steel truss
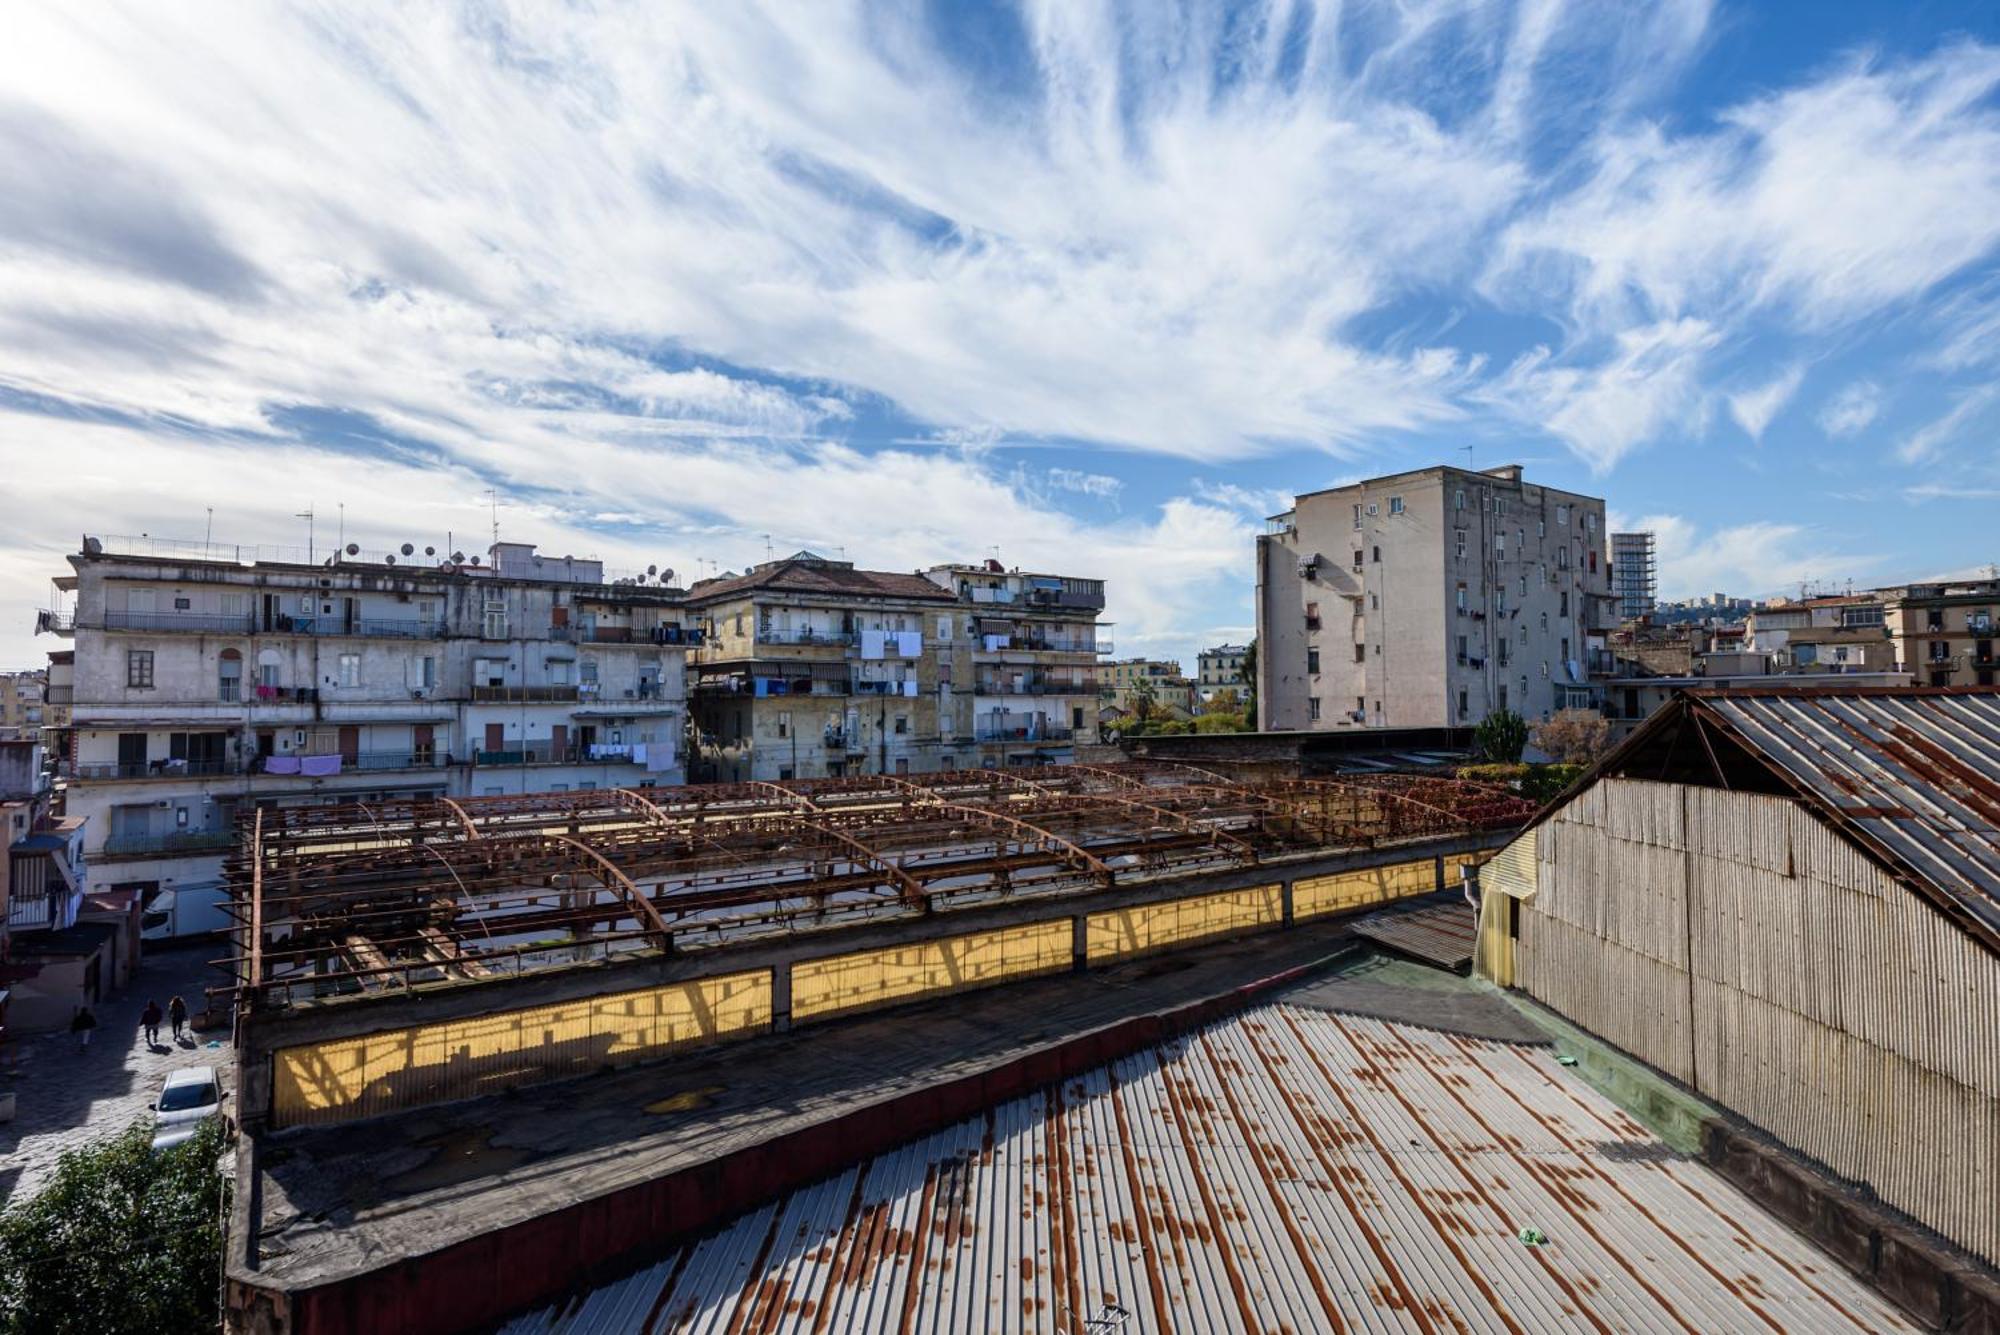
(348, 897)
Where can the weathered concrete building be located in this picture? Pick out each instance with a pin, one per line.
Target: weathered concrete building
(812, 668)
(1221, 668)
(207, 680)
(1789, 902)
(1430, 599)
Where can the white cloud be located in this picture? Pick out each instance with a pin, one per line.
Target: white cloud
(1100, 485)
(1754, 408)
(1850, 411)
(1743, 560)
(1927, 442)
(1259, 501)
(1602, 410)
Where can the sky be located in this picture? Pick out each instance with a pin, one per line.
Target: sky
(1092, 288)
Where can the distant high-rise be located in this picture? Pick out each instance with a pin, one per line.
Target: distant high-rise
(1633, 574)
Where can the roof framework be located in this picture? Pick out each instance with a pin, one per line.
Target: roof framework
(362, 897)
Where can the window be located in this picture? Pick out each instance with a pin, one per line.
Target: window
(559, 671)
(586, 671)
(1562, 557)
(426, 609)
(139, 668)
(494, 624)
(1562, 516)
(1500, 544)
(1357, 514)
(1524, 583)
(350, 670)
(1360, 707)
(1395, 505)
(784, 725)
(1501, 646)
(1563, 609)
(1374, 602)
(1565, 648)
(1545, 668)
(944, 628)
(427, 675)
(1458, 537)
(1461, 648)
(1503, 692)
(229, 677)
(1464, 706)
(1378, 555)
(1357, 560)
(183, 604)
(235, 605)
(1312, 662)
(1360, 653)
(902, 724)
(1461, 597)
(1371, 507)
(1312, 708)
(1458, 499)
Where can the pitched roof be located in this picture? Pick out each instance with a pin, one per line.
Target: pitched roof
(794, 575)
(1909, 774)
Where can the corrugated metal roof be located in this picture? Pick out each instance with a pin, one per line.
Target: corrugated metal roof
(1916, 772)
(1290, 1169)
(1440, 934)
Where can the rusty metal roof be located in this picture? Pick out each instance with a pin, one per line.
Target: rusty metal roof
(1440, 934)
(1915, 773)
(1290, 1169)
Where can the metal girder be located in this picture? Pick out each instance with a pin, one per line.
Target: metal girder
(471, 830)
(257, 902)
(617, 879)
(1073, 852)
(911, 889)
(789, 794)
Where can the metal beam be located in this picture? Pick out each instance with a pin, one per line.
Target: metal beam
(1071, 851)
(471, 830)
(618, 880)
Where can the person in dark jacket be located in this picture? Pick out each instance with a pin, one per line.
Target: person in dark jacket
(177, 1011)
(81, 1024)
(149, 1020)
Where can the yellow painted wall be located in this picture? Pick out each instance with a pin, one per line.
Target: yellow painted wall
(1349, 890)
(877, 977)
(359, 1077)
(1154, 926)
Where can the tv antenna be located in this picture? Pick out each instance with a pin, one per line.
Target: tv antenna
(493, 498)
(307, 515)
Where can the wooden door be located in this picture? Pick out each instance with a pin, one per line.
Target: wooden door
(423, 743)
(350, 745)
(496, 737)
(558, 740)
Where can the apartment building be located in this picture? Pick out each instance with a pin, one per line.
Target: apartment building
(1944, 633)
(1822, 635)
(206, 680)
(1221, 668)
(1633, 574)
(21, 703)
(1430, 599)
(813, 668)
(1161, 678)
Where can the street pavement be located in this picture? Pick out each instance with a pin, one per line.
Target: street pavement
(66, 1098)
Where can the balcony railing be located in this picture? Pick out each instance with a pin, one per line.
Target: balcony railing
(1024, 733)
(179, 841)
(387, 628)
(59, 695)
(524, 694)
(1035, 686)
(1039, 644)
(186, 623)
(804, 636)
(279, 695)
(156, 769)
(532, 753)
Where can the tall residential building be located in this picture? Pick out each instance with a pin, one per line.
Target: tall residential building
(1430, 599)
(209, 680)
(813, 668)
(1161, 678)
(1634, 577)
(1221, 668)
(1944, 633)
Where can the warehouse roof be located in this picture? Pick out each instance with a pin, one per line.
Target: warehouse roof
(1291, 1168)
(1910, 774)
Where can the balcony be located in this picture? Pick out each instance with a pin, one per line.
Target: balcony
(279, 695)
(524, 695)
(183, 623)
(1024, 733)
(805, 637)
(532, 753)
(55, 622)
(157, 769)
(383, 628)
(59, 695)
(177, 843)
(1035, 686)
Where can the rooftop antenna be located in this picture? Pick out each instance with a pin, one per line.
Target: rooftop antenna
(307, 515)
(1468, 458)
(208, 534)
(343, 524)
(768, 553)
(493, 496)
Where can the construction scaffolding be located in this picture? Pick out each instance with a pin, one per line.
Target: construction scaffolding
(338, 900)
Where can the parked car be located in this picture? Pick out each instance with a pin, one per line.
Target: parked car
(190, 1097)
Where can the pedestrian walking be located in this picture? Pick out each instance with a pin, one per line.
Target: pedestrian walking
(81, 1024)
(177, 1011)
(150, 1019)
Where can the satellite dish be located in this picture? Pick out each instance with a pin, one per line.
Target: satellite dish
(407, 549)
(652, 570)
(354, 549)
(667, 575)
(430, 551)
(458, 556)
(475, 560)
(389, 559)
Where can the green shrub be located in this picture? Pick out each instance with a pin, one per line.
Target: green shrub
(1501, 737)
(121, 1239)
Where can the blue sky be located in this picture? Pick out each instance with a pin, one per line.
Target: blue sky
(1092, 286)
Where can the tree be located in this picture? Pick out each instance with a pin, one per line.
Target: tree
(1144, 700)
(1250, 687)
(1501, 737)
(1224, 701)
(121, 1239)
(1574, 736)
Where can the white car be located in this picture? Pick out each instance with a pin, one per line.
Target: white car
(190, 1097)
